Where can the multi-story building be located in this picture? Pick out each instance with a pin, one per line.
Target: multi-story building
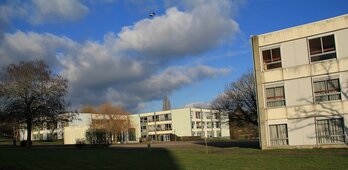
(163, 125)
(157, 126)
(302, 77)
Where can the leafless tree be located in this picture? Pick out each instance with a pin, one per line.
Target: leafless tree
(238, 101)
(112, 120)
(31, 93)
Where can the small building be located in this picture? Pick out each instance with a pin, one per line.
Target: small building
(302, 85)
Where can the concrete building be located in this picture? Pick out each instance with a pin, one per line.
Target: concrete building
(78, 128)
(157, 126)
(302, 85)
(162, 125)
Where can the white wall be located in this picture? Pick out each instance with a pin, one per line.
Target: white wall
(181, 122)
(301, 131)
(135, 119)
(77, 128)
(294, 53)
(298, 91)
(341, 43)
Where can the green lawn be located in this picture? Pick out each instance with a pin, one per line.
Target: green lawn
(190, 157)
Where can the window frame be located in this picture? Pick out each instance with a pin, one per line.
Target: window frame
(275, 100)
(322, 53)
(273, 141)
(330, 137)
(328, 94)
(266, 64)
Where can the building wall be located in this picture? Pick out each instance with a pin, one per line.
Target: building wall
(297, 74)
(77, 128)
(181, 122)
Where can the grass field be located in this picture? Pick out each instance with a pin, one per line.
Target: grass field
(179, 155)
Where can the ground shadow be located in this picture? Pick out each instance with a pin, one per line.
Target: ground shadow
(70, 157)
(226, 144)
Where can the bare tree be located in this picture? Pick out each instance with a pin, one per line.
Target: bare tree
(31, 93)
(112, 120)
(238, 101)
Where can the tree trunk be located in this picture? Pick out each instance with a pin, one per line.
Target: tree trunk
(29, 126)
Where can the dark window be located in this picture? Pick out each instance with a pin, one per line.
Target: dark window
(322, 48)
(272, 58)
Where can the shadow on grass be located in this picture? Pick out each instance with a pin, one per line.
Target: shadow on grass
(227, 144)
(69, 157)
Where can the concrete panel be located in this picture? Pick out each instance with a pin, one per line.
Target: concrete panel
(135, 121)
(276, 113)
(273, 75)
(329, 108)
(301, 111)
(294, 53)
(298, 92)
(324, 67)
(315, 28)
(301, 131)
(343, 64)
(181, 122)
(297, 72)
(73, 133)
(341, 43)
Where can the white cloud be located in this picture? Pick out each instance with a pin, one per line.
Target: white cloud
(57, 10)
(178, 33)
(43, 11)
(203, 105)
(121, 68)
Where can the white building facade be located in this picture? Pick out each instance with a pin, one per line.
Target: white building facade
(302, 85)
(185, 122)
(158, 126)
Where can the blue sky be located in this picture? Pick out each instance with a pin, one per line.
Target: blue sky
(111, 50)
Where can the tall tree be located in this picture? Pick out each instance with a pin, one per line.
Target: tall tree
(238, 101)
(112, 120)
(31, 93)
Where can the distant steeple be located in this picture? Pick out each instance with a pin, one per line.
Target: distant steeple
(166, 103)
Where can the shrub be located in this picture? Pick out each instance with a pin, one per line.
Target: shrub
(80, 143)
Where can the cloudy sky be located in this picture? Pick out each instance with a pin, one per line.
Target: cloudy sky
(112, 50)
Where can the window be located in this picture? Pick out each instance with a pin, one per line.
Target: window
(271, 58)
(210, 134)
(143, 128)
(322, 48)
(209, 115)
(209, 125)
(167, 117)
(218, 125)
(168, 126)
(198, 115)
(330, 131)
(150, 119)
(193, 125)
(278, 134)
(275, 96)
(327, 90)
(143, 119)
(131, 134)
(199, 125)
